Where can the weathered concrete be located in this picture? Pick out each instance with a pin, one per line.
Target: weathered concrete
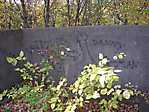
(85, 43)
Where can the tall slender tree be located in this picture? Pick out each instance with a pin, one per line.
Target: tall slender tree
(24, 14)
(46, 12)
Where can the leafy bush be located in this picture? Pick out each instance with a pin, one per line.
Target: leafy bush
(96, 85)
(99, 82)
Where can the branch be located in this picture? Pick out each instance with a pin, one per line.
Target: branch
(17, 4)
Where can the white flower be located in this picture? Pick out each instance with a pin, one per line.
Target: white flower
(126, 85)
(117, 86)
(62, 53)
(68, 49)
(129, 83)
(117, 71)
(100, 64)
(100, 56)
(115, 57)
(105, 61)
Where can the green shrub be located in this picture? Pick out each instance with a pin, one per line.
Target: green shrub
(97, 82)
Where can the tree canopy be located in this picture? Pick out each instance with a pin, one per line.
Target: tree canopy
(17, 14)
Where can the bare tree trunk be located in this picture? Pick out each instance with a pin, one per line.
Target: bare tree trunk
(68, 12)
(10, 18)
(77, 14)
(46, 12)
(35, 15)
(5, 16)
(80, 7)
(25, 14)
(86, 15)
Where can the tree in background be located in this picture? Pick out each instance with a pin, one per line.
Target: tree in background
(16, 14)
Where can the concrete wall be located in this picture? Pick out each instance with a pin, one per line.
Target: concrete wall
(85, 43)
